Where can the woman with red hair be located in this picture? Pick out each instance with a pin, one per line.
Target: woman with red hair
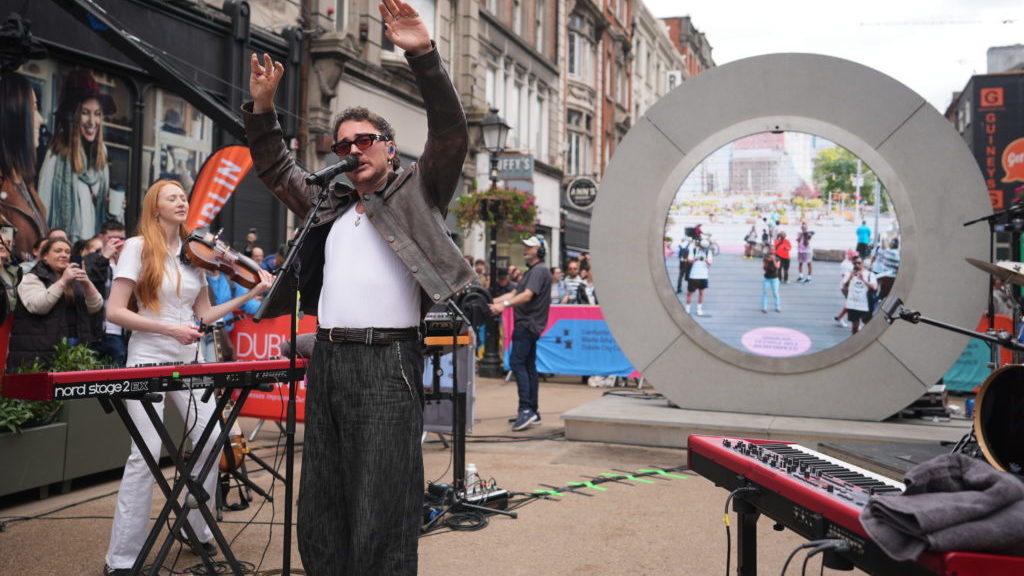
(160, 300)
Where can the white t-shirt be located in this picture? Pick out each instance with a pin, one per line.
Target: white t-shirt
(857, 295)
(175, 305)
(700, 267)
(365, 284)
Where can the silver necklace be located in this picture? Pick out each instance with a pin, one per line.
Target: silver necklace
(359, 217)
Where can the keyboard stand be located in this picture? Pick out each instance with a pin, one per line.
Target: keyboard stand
(184, 474)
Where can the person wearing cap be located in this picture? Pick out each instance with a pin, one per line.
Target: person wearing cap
(531, 301)
(503, 283)
(74, 180)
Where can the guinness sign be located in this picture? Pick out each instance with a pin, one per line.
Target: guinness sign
(581, 193)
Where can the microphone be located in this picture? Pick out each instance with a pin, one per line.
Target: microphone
(320, 177)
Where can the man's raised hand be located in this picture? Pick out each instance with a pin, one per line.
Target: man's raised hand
(404, 27)
(263, 81)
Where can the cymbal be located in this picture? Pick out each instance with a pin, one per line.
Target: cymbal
(1005, 270)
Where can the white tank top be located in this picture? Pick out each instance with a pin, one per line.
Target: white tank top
(365, 284)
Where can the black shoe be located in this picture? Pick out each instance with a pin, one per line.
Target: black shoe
(108, 571)
(208, 547)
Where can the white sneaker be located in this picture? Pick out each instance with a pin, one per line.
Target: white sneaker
(799, 278)
(807, 280)
(700, 310)
(838, 321)
(844, 323)
(687, 308)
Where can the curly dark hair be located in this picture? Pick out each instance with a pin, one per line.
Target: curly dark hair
(359, 113)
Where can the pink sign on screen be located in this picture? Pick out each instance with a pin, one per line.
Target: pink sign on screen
(776, 342)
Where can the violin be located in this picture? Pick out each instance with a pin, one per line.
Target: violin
(206, 250)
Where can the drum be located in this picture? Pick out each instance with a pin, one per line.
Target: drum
(999, 418)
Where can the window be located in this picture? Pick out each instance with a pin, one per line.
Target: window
(540, 17)
(545, 124)
(490, 86)
(341, 15)
(492, 6)
(580, 47)
(517, 17)
(579, 143)
(512, 111)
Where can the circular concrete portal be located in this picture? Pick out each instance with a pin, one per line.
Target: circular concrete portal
(931, 177)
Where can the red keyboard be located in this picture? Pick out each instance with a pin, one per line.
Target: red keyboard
(140, 380)
(818, 496)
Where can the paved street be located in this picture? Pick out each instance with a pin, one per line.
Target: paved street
(732, 303)
(665, 525)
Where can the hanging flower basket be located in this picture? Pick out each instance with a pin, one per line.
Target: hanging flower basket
(512, 210)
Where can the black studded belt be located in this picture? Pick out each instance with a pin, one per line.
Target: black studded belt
(368, 336)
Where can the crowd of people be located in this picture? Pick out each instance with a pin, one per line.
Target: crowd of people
(867, 273)
(573, 285)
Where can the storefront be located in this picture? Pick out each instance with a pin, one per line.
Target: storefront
(167, 82)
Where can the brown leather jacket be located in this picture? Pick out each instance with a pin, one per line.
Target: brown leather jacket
(408, 211)
(24, 210)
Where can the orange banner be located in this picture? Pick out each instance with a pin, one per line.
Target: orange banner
(220, 175)
(262, 341)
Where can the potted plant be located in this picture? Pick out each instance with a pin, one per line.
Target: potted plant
(513, 211)
(32, 437)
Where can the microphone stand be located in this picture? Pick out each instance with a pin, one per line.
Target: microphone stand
(893, 309)
(288, 279)
(1010, 219)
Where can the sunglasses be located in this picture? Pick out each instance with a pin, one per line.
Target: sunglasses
(362, 141)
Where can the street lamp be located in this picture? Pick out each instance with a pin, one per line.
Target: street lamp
(493, 132)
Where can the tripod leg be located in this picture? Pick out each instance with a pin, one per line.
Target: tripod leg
(242, 472)
(266, 466)
(256, 430)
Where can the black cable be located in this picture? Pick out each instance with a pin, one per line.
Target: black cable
(789, 558)
(467, 521)
(725, 518)
(823, 545)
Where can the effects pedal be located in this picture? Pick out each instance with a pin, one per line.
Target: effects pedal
(494, 498)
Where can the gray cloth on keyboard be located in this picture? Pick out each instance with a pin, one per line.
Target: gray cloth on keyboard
(952, 502)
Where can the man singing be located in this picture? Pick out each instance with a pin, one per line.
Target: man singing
(375, 260)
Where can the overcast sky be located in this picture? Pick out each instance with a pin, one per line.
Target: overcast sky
(932, 46)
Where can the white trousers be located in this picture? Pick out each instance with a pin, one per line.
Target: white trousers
(135, 497)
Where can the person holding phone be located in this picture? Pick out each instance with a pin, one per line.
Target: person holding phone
(101, 266)
(856, 286)
(250, 242)
(55, 301)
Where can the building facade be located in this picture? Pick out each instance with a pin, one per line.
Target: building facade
(171, 75)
